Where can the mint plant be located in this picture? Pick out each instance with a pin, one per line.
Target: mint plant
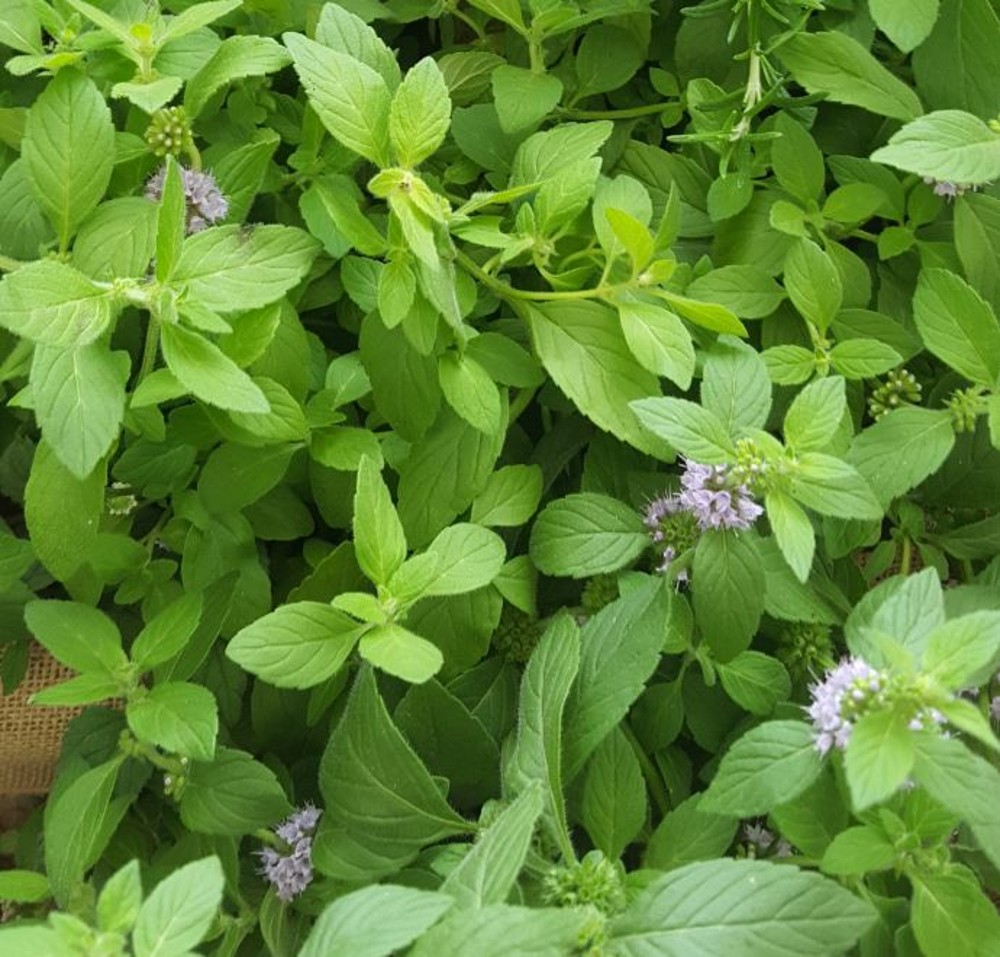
(512, 478)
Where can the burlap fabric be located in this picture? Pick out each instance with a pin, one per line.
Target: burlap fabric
(31, 735)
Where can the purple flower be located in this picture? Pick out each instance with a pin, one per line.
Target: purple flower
(205, 203)
(708, 493)
(290, 873)
(758, 835)
(840, 698)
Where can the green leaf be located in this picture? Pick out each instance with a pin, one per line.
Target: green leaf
(374, 921)
(879, 757)
(470, 391)
(510, 498)
(351, 99)
(167, 632)
(728, 586)
(746, 290)
(735, 385)
(297, 645)
(420, 114)
(858, 850)
(487, 873)
(23, 887)
(235, 476)
(62, 513)
(813, 283)
(399, 652)
(755, 681)
(965, 784)
(118, 239)
(81, 637)
(863, 358)
(586, 534)
(770, 764)
(977, 240)
(958, 326)
(658, 340)
(963, 652)
(227, 270)
(499, 930)
(620, 648)
(235, 58)
(587, 356)
(613, 805)
(231, 796)
(50, 302)
(837, 65)
(79, 399)
(947, 145)
(537, 753)
(171, 221)
(196, 17)
(344, 31)
(180, 910)
(789, 365)
(902, 449)
(209, 374)
(951, 914)
(523, 97)
(906, 24)
(906, 609)
(797, 161)
(345, 447)
(68, 150)
(378, 795)
(793, 532)
(74, 825)
(379, 539)
(815, 414)
(178, 717)
(751, 908)
(693, 430)
(687, 834)
(830, 486)
(120, 898)
(469, 557)
(607, 58)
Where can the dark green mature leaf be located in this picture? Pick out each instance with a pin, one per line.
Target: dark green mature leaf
(755, 681)
(728, 585)
(958, 326)
(902, 449)
(951, 914)
(964, 783)
(837, 65)
(619, 649)
(538, 750)
(68, 150)
(769, 765)
(752, 908)
(688, 834)
(583, 349)
(180, 910)
(231, 796)
(374, 921)
(81, 637)
(236, 57)
(613, 806)
(586, 534)
(376, 790)
(487, 873)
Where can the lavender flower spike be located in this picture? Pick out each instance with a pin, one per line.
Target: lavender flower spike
(708, 495)
(840, 698)
(205, 203)
(291, 873)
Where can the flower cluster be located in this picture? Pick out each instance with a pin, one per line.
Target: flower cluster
(854, 688)
(205, 203)
(291, 873)
(759, 839)
(594, 880)
(169, 132)
(947, 188)
(805, 648)
(710, 498)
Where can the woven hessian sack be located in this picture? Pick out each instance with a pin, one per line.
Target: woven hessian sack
(31, 735)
